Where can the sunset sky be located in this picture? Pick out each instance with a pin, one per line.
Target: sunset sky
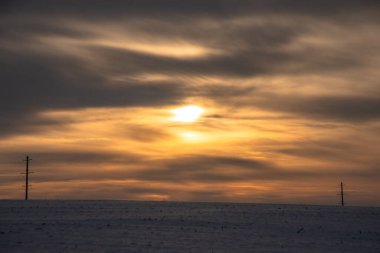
(264, 101)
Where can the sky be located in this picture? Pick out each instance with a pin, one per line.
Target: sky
(260, 101)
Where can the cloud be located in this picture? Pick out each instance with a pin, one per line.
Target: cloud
(33, 84)
(217, 169)
(61, 166)
(142, 133)
(62, 67)
(202, 168)
(102, 9)
(290, 70)
(334, 108)
(101, 175)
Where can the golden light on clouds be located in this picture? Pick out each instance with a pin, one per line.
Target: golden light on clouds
(234, 107)
(167, 48)
(187, 114)
(191, 136)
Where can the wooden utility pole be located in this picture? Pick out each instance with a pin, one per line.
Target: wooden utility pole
(27, 177)
(341, 194)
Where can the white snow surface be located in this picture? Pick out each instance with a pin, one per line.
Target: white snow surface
(133, 226)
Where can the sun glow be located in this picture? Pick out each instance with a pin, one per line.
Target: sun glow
(192, 137)
(190, 113)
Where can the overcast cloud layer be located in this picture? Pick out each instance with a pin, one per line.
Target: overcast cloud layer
(291, 91)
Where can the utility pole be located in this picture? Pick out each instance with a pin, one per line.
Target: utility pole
(27, 177)
(341, 194)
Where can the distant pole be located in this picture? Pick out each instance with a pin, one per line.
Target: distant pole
(341, 193)
(27, 177)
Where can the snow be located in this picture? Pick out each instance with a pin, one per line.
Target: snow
(132, 226)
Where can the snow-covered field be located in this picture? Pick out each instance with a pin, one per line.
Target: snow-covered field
(131, 226)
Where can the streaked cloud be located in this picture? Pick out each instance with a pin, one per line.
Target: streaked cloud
(289, 89)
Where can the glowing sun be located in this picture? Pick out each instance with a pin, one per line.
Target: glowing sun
(188, 113)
